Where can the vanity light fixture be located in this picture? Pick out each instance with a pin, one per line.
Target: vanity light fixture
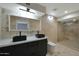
(27, 10)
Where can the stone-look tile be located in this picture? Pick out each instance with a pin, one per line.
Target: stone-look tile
(73, 44)
(61, 50)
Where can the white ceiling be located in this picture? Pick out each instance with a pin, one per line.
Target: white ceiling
(60, 8)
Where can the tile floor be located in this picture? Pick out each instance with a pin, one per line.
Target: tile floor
(72, 43)
(61, 50)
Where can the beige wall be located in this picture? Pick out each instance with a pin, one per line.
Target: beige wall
(49, 28)
(4, 26)
(68, 32)
(34, 25)
(72, 31)
(53, 29)
(60, 31)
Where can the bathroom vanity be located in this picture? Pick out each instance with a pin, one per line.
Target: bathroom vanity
(31, 47)
(21, 45)
(16, 19)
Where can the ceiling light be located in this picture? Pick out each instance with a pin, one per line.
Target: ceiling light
(50, 17)
(65, 11)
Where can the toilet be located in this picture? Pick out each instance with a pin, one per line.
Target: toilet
(51, 47)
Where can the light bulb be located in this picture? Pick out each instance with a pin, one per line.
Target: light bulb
(50, 18)
(65, 11)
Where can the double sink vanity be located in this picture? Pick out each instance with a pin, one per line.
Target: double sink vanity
(35, 45)
(22, 45)
(15, 19)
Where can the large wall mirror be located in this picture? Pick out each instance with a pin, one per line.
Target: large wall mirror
(17, 23)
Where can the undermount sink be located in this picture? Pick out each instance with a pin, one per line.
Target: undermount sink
(40, 35)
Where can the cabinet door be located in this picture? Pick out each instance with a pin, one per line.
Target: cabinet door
(6, 51)
(38, 48)
(21, 50)
(42, 49)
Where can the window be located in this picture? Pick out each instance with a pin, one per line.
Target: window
(22, 26)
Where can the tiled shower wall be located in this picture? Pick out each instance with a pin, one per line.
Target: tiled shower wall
(71, 31)
(49, 28)
(60, 32)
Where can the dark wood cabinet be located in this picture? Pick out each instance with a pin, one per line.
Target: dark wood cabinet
(35, 48)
